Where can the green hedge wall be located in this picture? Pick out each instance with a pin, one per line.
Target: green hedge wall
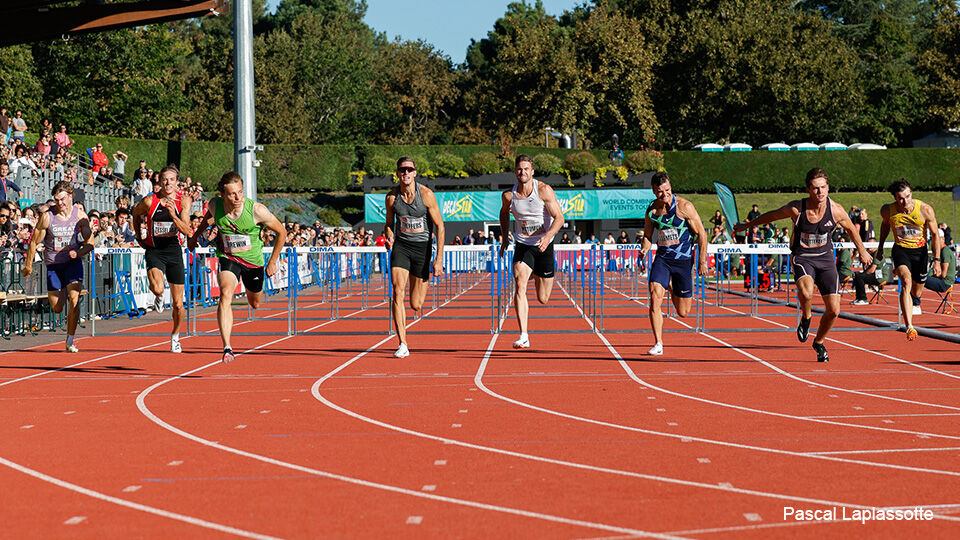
(290, 168)
(930, 169)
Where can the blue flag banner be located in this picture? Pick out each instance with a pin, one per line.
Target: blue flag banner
(485, 205)
(728, 205)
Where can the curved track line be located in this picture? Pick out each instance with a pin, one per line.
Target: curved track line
(141, 405)
(135, 506)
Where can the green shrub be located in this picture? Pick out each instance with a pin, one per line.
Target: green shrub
(379, 165)
(292, 208)
(507, 162)
(424, 165)
(546, 164)
(581, 163)
(644, 160)
(483, 163)
(449, 165)
(329, 216)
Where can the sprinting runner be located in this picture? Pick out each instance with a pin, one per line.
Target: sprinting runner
(538, 219)
(814, 219)
(412, 216)
(907, 217)
(65, 232)
(239, 248)
(675, 219)
(166, 214)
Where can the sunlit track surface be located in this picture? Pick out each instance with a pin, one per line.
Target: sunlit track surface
(581, 436)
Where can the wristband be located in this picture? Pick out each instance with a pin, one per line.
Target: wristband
(936, 259)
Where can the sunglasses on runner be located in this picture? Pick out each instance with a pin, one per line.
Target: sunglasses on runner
(406, 169)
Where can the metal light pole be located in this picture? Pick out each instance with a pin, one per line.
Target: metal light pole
(244, 128)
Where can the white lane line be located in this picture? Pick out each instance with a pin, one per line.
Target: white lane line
(429, 487)
(75, 520)
(886, 415)
(414, 520)
(886, 451)
(136, 506)
(141, 404)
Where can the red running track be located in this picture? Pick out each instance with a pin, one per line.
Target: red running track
(581, 436)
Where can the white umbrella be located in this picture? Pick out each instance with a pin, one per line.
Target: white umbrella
(866, 146)
(776, 147)
(708, 147)
(804, 147)
(737, 147)
(833, 146)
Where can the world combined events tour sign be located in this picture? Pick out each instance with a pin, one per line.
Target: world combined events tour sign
(485, 205)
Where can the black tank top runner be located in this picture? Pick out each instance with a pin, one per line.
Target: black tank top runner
(812, 240)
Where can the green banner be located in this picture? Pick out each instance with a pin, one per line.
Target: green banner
(485, 205)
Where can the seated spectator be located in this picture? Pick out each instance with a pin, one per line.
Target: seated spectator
(844, 261)
(718, 220)
(623, 238)
(43, 146)
(123, 228)
(878, 271)
(948, 267)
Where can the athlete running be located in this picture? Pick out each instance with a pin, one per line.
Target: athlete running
(239, 248)
(166, 216)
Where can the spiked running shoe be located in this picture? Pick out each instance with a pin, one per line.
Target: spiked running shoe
(227, 356)
(402, 351)
(911, 333)
(522, 343)
(158, 304)
(657, 350)
(803, 329)
(822, 355)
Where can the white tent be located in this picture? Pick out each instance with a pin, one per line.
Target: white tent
(776, 147)
(833, 146)
(866, 146)
(804, 147)
(708, 147)
(737, 147)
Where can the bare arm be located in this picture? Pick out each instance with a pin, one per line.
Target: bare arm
(844, 221)
(549, 199)
(38, 235)
(689, 212)
(936, 243)
(86, 244)
(647, 235)
(264, 217)
(388, 222)
(139, 211)
(505, 199)
(181, 220)
(205, 224)
(788, 211)
(884, 229)
(430, 200)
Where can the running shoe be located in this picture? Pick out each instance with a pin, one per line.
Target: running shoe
(72, 348)
(402, 351)
(158, 304)
(917, 310)
(859, 302)
(175, 346)
(227, 356)
(822, 355)
(522, 343)
(657, 350)
(911, 333)
(803, 329)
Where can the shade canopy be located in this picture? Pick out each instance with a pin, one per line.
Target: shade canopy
(776, 147)
(708, 147)
(804, 147)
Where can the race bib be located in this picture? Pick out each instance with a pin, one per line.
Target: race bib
(409, 224)
(61, 242)
(908, 231)
(236, 243)
(164, 228)
(531, 227)
(813, 240)
(668, 237)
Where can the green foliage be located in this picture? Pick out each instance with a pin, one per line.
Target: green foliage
(581, 163)
(449, 165)
(19, 88)
(154, 152)
(292, 208)
(546, 164)
(851, 170)
(644, 160)
(379, 165)
(483, 163)
(940, 65)
(330, 216)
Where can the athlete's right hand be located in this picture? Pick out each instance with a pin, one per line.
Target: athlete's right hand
(192, 244)
(388, 243)
(740, 227)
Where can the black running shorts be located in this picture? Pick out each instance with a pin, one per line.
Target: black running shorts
(914, 259)
(542, 263)
(169, 261)
(414, 257)
(822, 269)
(252, 278)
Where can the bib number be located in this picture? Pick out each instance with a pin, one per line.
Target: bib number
(908, 231)
(530, 227)
(668, 237)
(236, 243)
(164, 228)
(409, 224)
(813, 240)
(60, 243)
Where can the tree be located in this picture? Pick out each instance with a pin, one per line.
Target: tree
(420, 85)
(940, 64)
(19, 88)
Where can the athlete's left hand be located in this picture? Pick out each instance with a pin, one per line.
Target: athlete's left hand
(169, 204)
(865, 258)
(73, 254)
(544, 242)
(703, 268)
(438, 267)
(937, 270)
(271, 268)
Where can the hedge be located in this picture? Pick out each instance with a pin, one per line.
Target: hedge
(928, 169)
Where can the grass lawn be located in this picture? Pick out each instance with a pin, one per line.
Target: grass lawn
(942, 202)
